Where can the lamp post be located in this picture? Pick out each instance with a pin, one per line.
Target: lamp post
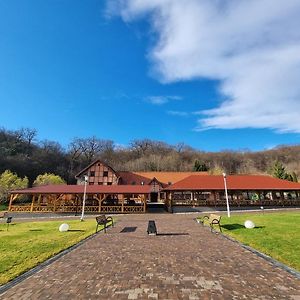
(226, 195)
(86, 178)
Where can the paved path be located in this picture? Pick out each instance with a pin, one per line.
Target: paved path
(186, 261)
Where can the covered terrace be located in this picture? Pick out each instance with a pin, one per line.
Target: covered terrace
(243, 190)
(69, 198)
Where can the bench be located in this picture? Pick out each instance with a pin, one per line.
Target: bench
(213, 219)
(103, 220)
(152, 228)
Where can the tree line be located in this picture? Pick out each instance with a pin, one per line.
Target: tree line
(22, 153)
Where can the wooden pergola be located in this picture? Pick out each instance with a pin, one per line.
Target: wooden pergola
(69, 198)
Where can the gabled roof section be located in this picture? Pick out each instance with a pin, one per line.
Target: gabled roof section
(234, 182)
(132, 178)
(169, 177)
(90, 165)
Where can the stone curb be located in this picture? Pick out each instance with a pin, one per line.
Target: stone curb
(5, 287)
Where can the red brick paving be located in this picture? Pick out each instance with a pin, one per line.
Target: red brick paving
(193, 263)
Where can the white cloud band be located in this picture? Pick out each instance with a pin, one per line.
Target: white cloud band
(252, 47)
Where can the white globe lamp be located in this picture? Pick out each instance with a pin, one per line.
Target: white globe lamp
(249, 224)
(64, 227)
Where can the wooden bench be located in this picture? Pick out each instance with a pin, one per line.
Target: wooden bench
(213, 219)
(103, 220)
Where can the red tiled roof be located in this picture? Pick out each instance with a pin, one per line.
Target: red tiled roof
(132, 178)
(234, 182)
(91, 189)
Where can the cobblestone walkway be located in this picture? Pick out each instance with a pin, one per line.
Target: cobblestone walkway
(186, 261)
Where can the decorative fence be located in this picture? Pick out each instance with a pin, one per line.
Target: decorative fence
(20, 208)
(74, 209)
(236, 202)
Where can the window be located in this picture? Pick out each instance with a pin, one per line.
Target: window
(100, 183)
(92, 173)
(105, 173)
(91, 183)
(109, 183)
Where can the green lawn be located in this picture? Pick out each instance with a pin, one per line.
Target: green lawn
(25, 245)
(276, 234)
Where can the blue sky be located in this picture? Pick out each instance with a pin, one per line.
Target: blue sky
(127, 71)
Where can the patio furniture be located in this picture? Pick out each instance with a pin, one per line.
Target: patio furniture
(103, 220)
(212, 219)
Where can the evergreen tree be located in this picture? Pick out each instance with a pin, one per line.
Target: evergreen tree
(200, 166)
(279, 170)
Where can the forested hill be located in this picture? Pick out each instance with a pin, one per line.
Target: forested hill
(22, 153)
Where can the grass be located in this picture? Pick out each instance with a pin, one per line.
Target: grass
(25, 245)
(276, 234)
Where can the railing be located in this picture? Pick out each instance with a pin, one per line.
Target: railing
(183, 202)
(222, 202)
(134, 209)
(20, 208)
(74, 209)
(111, 209)
(43, 208)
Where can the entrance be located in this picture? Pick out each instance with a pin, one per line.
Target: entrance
(153, 197)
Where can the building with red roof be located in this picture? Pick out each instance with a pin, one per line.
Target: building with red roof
(242, 190)
(109, 191)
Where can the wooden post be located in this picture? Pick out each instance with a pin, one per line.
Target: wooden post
(144, 199)
(248, 196)
(215, 198)
(274, 196)
(10, 202)
(32, 203)
(39, 200)
(122, 200)
(168, 201)
(76, 208)
(192, 199)
(100, 201)
(54, 206)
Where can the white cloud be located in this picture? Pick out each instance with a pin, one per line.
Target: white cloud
(252, 47)
(159, 100)
(178, 113)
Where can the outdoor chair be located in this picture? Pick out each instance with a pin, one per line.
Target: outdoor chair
(103, 220)
(212, 219)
